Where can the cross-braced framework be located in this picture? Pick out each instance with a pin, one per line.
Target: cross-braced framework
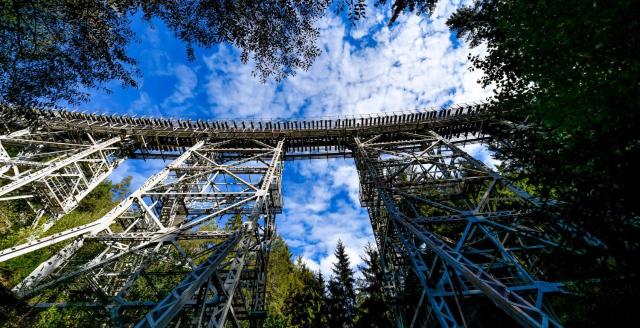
(449, 229)
(190, 245)
(56, 169)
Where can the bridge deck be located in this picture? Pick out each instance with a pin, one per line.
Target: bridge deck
(304, 138)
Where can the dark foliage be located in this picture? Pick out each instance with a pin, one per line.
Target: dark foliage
(342, 294)
(307, 306)
(56, 51)
(373, 310)
(51, 50)
(418, 7)
(357, 9)
(295, 295)
(567, 76)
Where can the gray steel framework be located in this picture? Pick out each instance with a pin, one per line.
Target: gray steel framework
(191, 245)
(58, 168)
(217, 201)
(446, 220)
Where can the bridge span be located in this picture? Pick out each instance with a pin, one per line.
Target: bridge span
(459, 122)
(192, 243)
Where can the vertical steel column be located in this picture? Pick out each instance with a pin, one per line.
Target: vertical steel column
(207, 217)
(217, 295)
(461, 229)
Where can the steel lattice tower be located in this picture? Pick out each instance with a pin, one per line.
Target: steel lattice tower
(190, 247)
(461, 228)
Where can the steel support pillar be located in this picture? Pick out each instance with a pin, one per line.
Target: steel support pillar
(205, 223)
(447, 223)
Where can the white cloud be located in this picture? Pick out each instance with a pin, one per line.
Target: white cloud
(321, 207)
(481, 152)
(234, 92)
(184, 90)
(152, 35)
(144, 104)
(410, 65)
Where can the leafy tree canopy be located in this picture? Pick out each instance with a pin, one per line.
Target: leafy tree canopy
(567, 75)
(52, 51)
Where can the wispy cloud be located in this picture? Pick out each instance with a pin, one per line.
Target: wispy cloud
(233, 91)
(144, 104)
(369, 68)
(321, 207)
(185, 88)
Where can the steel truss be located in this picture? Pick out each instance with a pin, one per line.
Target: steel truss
(205, 223)
(457, 230)
(56, 169)
(190, 246)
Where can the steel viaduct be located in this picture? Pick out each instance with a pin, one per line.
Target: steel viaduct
(190, 247)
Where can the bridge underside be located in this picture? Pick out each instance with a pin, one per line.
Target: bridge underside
(191, 245)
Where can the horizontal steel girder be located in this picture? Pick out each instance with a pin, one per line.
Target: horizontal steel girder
(304, 139)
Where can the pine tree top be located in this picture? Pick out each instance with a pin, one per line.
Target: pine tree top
(342, 268)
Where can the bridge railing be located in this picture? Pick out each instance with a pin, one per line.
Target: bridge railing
(261, 124)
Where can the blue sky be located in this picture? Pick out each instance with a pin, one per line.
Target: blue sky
(365, 68)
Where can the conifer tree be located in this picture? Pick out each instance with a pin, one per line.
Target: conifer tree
(373, 311)
(280, 281)
(305, 305)
(342, 296)
(323, 311)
